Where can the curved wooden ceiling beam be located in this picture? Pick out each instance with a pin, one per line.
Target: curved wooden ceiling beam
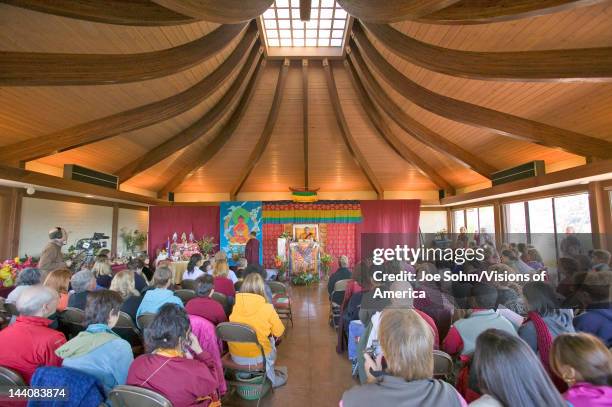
(492, 11)
(266, 133)
(60, 69)
(196, 130)
(391, 11)
(350, 142)
(501, 123)
(225, 11)
(585, 64)
(134, 12)
(391, 139)
(411, 125)
(188, 165)
(133, 119)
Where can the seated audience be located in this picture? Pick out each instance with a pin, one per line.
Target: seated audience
(461, 337)
(545, 321)
(223, 283)
(252, 309)
(240, 267)
(601, 260)
(585, 364)
(570, 279)
(343, 273)
(59, 280)
(510, 258)
(534, 259)
(597, 319)
(29, 342)
(82, 282)
(203, 305)
(103, 272)
(175, 364)
(123, 283)
(27, 277)
(99, 351)
(407, 347)
(145, 270)
(221, 267)
(140, 281)
(256, 268)
(509, 373)
(193, 267)
(160, 295)
(436, 303)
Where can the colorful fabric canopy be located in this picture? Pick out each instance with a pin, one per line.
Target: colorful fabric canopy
(315, 212)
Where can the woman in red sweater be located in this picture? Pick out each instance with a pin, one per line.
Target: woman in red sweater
(175, 366)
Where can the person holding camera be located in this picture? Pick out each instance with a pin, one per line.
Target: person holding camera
(51, 258)
(402, 375)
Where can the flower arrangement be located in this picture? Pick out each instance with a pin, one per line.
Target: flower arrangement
(304, 278)
(207, 245)
(10, 269)
(285, 235)
(282, 266)
(326, 261)
(132, 239)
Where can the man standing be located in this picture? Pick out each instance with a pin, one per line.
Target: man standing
(51, 258)
(251, 251)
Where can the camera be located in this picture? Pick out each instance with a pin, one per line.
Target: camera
(92, 244)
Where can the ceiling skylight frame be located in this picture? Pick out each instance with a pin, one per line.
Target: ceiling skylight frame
(286, 35)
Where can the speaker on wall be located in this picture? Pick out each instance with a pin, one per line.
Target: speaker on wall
(441, 193)
(171, 196)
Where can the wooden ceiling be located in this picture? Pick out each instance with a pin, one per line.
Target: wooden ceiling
(177, 95)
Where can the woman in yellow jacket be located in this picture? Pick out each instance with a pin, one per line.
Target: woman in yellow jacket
(252, 309)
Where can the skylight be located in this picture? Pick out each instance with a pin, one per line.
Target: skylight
(283, 27)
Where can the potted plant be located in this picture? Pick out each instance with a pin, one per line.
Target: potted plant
(304, 278)
(207, 245)
(282, 266)
(132, 239)
(326, 261)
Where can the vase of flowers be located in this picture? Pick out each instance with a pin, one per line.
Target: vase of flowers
(282, 266)
(207, 245)
(10, 269)
(326, 261)
(132, 239)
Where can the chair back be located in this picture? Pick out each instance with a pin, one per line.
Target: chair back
(145, 320)
(189, 285)
(443, 364)
(277, 287)
(72, 321)
(235, 332)
(132, 396)
(127, 330)
(220, 298)
(341, 285)
(185, 295)
(9, 377)
(11, 308)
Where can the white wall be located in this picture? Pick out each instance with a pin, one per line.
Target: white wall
(432, 221)
(131, 220)
(38, 216)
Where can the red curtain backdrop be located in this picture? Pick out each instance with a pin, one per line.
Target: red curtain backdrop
(165, 220)
(340, 241)
(271, 232)
(392, 216)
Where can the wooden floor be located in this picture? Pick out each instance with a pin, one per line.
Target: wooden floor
(317, 374)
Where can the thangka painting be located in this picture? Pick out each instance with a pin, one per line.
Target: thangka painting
(238, 220)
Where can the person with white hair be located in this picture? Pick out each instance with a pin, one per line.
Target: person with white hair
(29, 343)
(343, 273)
(51, 258)
(82, 283)
(28, 277)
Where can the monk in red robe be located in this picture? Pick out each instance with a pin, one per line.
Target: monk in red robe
(251, 251)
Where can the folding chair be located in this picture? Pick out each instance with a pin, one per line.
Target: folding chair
(443, 364)
(336, 301)
(222, 299)
(281, 300)
(127, 330)
(189, 285)
(234, 332)
(237, 285)
(11, 308)
(9, 377)
(72, 321)
(145, 320)
(185, 295)
(132, 396)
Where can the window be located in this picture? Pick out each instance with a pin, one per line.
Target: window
(326, 28)
(458, 220)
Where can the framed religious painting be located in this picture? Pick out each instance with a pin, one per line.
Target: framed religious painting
(306, 232)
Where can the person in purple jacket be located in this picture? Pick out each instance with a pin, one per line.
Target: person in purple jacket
(597, 319)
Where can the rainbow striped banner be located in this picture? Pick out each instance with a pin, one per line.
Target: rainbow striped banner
(315, 212)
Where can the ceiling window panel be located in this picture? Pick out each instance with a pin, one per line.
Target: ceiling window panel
(326, 27)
